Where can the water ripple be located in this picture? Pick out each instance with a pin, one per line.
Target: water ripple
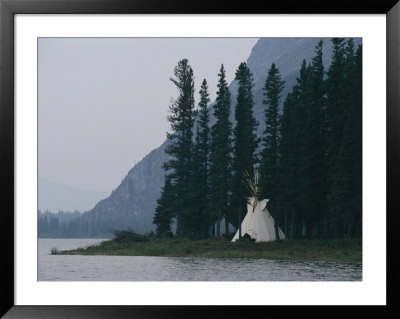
(144, 268)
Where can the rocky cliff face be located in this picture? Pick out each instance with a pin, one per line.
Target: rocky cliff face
(132, 204)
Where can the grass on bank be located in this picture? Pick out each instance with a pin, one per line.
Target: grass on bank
(55, 251)
(137, 245)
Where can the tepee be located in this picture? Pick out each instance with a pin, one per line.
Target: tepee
(258, 222)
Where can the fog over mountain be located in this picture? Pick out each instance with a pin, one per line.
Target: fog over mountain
(56, 197)
(132, 204)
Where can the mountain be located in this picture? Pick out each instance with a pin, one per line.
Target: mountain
(132, 204)
(56, 197)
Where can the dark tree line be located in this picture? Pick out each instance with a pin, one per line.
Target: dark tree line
(78, 225)
(309, 157)
(318, 179)
(61, 224)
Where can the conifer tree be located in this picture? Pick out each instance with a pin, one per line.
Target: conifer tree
(245, 144)
(180, 140)
(287, 171)
(198, 224)
(165, 211)
(195, 223)
(356, 133)
(292, 153)
(203, 149)
(269, 154)
(314, 164)
(220, 154)
(301, 145)
(335, 118)
(345, 196)
(336, 96)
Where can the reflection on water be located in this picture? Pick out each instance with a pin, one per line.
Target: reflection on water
(142, 268)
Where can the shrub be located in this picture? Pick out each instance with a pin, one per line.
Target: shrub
(54, 251)
(128, 236)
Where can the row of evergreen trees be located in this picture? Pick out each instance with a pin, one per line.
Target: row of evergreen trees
(61, 224)
(75, 225)
(308, 157)
(318, 181)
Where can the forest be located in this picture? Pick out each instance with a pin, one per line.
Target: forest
(58, 225)
(308, 159)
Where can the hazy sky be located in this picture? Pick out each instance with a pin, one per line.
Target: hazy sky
(103, 102)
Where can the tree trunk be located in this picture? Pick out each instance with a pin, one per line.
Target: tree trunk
(240, 224)
(277, 237)
(226, 229)
(308, 229)
(182, 227)
(178, 226)
(207, 229)
(220, 214)
(292, 226)
(286, 209)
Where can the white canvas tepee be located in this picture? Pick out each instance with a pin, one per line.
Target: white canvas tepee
(258, 222)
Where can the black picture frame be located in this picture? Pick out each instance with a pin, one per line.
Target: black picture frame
(8, 8)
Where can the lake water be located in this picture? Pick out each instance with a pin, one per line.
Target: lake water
(142, 268)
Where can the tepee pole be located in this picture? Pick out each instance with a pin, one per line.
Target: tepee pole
(253, 188)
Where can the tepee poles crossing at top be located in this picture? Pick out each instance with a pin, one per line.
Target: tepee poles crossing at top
(252, 185)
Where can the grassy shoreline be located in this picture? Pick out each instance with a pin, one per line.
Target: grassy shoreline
(318, 250)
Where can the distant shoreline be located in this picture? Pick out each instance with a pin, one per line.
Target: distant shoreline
(306, 250)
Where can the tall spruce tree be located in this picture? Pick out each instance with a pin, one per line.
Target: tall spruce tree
(194, 225)
(356, 132)
(314, 165)
(293, 153)
(301, 149)
(336, 101)
(199, 223)
(204, 154)
(287, 171)
(269, 154)
(345, 196)
(180, 146)
(165, 210)
(220, 154)
(336, 98)
(245, 144)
